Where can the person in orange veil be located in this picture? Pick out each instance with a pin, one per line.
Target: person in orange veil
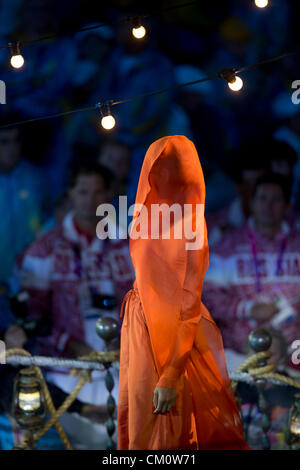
(174, 388)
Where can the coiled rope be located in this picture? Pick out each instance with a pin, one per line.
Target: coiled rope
(265, 372)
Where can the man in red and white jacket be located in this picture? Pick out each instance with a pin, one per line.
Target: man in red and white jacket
(254, 274)
(69, 267)
(258, 157)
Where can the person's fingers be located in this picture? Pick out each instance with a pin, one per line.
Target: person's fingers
(170, 405)
(159, 406)
(155, 398)
(164, 408)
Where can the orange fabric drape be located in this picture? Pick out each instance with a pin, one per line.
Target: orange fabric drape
(168, 337)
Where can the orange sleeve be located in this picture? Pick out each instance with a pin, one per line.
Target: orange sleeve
(188, 320)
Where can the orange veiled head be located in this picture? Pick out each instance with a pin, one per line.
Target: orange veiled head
(171, 174)
(171, 171)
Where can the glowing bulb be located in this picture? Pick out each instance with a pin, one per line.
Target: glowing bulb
(17, 61)
(139, 32)
(108, 122)
(237, 85)
(261, 3)
(29, 401)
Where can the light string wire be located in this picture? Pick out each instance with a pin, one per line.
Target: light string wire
(111, 103)
(126, 19)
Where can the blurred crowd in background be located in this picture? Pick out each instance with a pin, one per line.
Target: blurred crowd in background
(54, 173)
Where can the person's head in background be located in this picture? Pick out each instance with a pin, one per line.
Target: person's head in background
(89, 186)
(247, 165)
(10, 148)
(115, 155)
(282, 157)
(270, 203)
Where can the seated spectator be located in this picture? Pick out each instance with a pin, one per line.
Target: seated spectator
(247, 166)
(67, 273)
(256, 157)
(115, 155)
(283, 159)
(62, 206)
(22, 199)
(288, 116)
(253, 279)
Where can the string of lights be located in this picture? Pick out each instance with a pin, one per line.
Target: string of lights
(137, 28)
(229, 75)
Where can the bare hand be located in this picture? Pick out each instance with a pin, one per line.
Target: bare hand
(77, 348)
(263, 311)
(15, 337)
(164, 399)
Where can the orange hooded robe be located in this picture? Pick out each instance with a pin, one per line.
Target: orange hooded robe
(168, 338)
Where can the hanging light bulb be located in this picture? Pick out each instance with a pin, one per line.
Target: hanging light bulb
(108, 122)
(261, 3)
(16, 60)
(237, 85)
(234, 82)
(138, 30)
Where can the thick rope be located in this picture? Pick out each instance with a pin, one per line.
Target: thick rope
(253, 360)
(96, 362)
(68, 401)
(265, 372)
(110, 356)
(281, 378)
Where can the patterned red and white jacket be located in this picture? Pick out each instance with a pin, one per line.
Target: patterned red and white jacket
(230, 285)
(55, 267)
(232, 216)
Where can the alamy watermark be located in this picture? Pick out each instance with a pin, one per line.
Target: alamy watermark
(188, 222)
(2, 353)
(2, 92)
(296, 94)
(296, 354)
